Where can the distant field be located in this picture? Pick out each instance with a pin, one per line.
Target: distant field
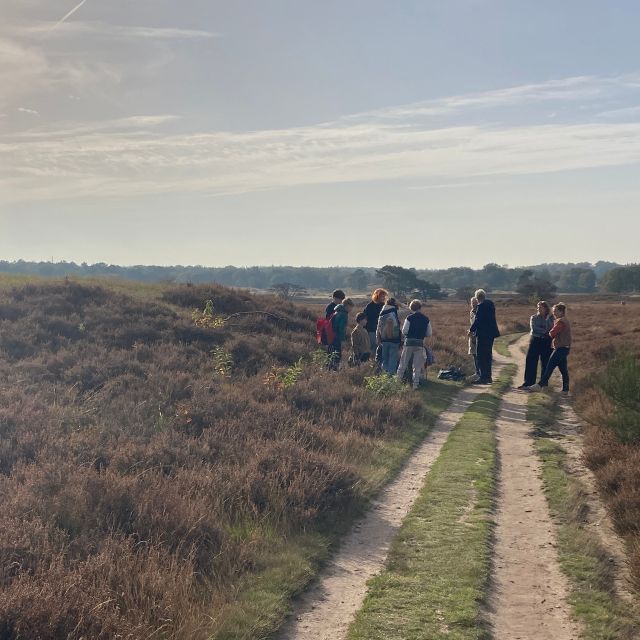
(155, 462)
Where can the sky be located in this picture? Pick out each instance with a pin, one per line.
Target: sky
(344, 132)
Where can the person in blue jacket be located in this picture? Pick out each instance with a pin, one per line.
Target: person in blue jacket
(485, 329)
(339, 323)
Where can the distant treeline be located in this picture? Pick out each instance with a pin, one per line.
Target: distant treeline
(570, 278)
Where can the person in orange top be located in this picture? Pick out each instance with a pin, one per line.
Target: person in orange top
(561, 336)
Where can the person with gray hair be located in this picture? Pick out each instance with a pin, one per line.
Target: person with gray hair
(485, 329)
(473, 343)
(415, 329)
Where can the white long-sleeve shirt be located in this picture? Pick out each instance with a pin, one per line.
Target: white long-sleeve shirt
(407, 324)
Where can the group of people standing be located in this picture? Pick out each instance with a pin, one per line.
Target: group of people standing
(394, 344)
(380, 334)
(549, 342)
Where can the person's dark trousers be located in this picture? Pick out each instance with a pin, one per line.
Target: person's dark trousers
(485, 356)
(335, 355)
(558, 359)
(539, 351)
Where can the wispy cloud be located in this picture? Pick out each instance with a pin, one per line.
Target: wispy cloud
(621, 114)
(143, 155)
(563, 90)
(129, 125)
(27, 73)
(220, 163)
(50, 60)
(31, 112)
(451, 185)
(108, 30)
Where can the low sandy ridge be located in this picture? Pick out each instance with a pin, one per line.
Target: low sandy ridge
(325, 611)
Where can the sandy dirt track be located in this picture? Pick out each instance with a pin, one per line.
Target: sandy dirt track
(529, 592)
(325, 611)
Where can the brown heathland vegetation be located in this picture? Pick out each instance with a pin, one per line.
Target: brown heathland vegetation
(148, 461)
(151, 458)
(605, 362)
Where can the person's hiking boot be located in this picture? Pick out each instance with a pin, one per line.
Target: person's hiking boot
(474, 378)
(523, 387)
(534, 388)
(565, 393)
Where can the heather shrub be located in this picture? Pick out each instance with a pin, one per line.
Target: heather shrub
(225, 300)
(621, 383)
(604, 366)
(118, 592)
(139, 485)
(512, 325)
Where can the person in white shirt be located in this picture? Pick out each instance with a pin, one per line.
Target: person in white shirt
(415, 329)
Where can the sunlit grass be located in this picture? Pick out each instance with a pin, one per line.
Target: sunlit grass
(439, 564)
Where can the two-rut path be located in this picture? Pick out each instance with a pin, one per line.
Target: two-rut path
(528, 594)
(325, 611)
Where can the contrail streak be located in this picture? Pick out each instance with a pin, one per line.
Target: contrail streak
(57, 24)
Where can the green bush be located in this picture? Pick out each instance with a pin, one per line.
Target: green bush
(384, 385)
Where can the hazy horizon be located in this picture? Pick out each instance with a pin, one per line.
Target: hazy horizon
(420, 133)
(310, 266)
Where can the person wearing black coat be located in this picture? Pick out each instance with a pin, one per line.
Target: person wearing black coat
(372, 310)
(485, 328)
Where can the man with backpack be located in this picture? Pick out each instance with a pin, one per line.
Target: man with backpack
(324, 326)
(415, 329)
(388, 335)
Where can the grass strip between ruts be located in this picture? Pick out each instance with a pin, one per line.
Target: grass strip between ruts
(501, 345)
(582, 558)
(262, 601)
(439, 564)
